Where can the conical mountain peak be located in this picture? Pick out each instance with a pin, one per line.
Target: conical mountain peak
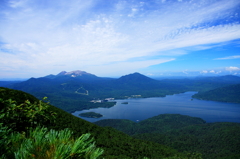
(135, 77)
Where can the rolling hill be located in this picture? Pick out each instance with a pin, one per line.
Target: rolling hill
(184, 133)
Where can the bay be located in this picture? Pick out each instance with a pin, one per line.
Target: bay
(139, 109)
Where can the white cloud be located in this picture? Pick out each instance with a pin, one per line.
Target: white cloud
(212, 71)
(228, 58)
(204, 71)
(127, 67)
(73, 34)
(232, 68)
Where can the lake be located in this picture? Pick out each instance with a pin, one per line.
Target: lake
(139, 109)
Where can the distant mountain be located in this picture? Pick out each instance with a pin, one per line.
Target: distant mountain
(138, 84)
(135, 77)
(74, 75)
(8, 83)
(224, 94)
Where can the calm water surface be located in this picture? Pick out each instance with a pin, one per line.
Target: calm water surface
(142, 108)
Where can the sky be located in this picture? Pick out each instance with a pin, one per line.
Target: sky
(111, 38)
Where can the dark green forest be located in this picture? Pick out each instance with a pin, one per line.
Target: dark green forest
(223, 94)
(184, 133)
(91, 115)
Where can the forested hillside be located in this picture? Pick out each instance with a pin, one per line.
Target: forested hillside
(184, 133)
(114, 143)
(224, 94)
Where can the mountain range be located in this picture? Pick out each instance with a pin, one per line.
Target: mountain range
(74, 90)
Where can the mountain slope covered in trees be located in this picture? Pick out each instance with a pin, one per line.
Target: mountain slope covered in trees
(184, 133)
(224, 94)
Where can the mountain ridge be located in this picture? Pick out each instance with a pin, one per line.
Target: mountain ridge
(69, 93)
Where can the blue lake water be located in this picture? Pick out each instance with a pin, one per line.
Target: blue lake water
(139, 109)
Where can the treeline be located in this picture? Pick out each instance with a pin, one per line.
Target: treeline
(184, 133)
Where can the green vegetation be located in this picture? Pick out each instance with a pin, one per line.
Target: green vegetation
(184, 133)
(114, 143)
(91, 115)
(26, 115)
(224, 94)
(49, 144)
(21, 136)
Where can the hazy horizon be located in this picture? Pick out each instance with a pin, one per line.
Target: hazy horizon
(175, 75)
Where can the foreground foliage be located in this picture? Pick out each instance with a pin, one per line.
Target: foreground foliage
(21, 137)
(21, 117)
(49, 144)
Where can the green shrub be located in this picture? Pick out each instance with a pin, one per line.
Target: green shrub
(21, 117)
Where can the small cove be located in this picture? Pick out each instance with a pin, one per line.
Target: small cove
(139, 109)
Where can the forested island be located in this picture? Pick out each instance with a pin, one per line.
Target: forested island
(91, 115)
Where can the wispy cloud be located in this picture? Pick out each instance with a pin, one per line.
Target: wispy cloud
(228, 58)
(94, 35)
(232, 68)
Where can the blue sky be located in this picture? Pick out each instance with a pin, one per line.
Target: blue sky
(118, 37)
